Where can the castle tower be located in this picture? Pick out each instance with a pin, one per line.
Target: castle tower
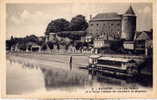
(128, 24)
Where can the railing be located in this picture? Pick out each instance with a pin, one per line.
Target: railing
(48, 53)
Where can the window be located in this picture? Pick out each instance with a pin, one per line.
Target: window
(97, 24)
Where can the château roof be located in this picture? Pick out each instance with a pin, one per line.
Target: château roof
(130, 11)
(107, 16)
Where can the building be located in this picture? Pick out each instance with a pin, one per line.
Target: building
(87, 38)
(129, 45)
(141, 44)
(32, 47)
(134, 45)
(128, 24)
(145, 35)
(101, 43)
(50, 37)
(35, 47)
(113, 26)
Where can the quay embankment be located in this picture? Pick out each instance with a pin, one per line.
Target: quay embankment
(46, 58)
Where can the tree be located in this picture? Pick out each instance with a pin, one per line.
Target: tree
(31, 38)
(57, 25)
(78, 23)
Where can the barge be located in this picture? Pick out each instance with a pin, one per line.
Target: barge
(127, 66)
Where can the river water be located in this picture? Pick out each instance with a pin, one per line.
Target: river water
(33, 77)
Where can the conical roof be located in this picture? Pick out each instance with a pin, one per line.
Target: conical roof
(130, 11)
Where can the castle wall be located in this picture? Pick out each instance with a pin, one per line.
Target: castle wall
(110, 29)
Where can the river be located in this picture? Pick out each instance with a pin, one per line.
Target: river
(28, 74)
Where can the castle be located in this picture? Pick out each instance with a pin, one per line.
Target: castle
(118, 31)
(106, 33)
(113, 26)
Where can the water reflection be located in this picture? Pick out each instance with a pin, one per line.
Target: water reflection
(61, 78)
(26, 78)
(58, 78)
(122, 80)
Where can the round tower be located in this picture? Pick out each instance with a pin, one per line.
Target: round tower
(128, 24)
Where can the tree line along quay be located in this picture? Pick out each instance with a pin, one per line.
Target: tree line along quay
(67, 35)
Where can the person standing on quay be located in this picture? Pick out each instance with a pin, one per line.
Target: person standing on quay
(70, 63)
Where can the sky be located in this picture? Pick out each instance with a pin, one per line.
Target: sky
(27, 19)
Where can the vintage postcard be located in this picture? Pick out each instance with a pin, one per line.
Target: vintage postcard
(78, 49)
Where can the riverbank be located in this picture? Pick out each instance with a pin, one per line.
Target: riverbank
(46, 59)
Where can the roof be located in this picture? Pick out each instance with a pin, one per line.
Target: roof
(149, 33)
(136, 35)
(145, 35)
(106, 16)
(130, 11)
(115, 59)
